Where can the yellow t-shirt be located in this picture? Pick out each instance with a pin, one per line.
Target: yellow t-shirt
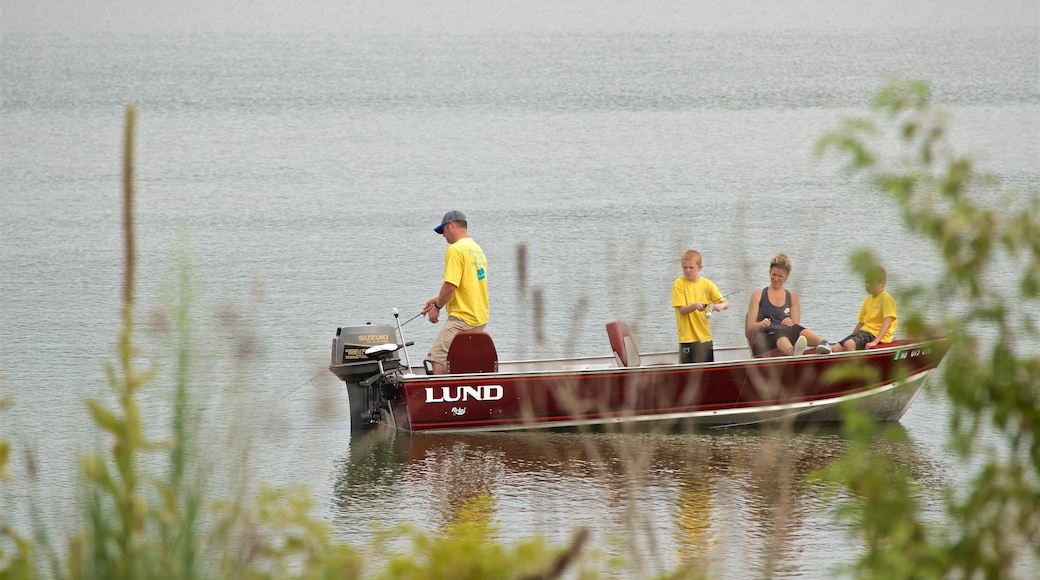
(693, 327)
(875, 310)
(465, 267)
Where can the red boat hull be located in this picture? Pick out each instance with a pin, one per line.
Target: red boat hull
(884, 382)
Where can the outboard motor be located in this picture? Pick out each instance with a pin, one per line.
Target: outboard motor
(359, 372)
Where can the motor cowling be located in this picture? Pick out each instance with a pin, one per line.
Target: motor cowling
(360, 372)
(348, 350)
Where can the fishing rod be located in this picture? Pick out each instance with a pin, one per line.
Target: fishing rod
(707, 306)
(725, 297)
(423, 313)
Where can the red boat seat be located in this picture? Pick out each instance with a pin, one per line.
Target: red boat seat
(621, 342)
(472, 351)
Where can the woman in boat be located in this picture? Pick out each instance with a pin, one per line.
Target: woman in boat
(774, 314)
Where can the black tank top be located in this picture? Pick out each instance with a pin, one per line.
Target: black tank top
(775, 314)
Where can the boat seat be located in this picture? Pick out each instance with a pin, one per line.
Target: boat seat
(472, 351)
(621, 342)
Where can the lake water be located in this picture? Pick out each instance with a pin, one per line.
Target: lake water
(304, 151)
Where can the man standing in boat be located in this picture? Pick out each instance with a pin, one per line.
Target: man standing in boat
(464, 292)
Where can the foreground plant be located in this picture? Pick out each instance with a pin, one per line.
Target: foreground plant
(16, 551)
(992, 371)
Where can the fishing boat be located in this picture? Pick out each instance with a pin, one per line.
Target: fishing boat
(482, 393)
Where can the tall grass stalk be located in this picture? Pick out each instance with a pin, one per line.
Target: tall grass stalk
(116, 545)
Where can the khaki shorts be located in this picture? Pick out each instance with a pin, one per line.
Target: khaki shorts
(452, 326)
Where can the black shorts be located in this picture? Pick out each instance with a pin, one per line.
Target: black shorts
(861, 339)
(696, 352)
(765, 339)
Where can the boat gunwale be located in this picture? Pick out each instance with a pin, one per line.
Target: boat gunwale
(665, 368)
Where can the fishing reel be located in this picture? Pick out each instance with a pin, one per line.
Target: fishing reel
(709, 309)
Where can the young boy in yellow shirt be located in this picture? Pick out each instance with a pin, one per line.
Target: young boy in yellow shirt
(877, 319)
(692, 297)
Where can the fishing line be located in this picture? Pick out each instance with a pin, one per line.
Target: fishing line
(304, 384)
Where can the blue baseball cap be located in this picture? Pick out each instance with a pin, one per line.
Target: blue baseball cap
(452, 216)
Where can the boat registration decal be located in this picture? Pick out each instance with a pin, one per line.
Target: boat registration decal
(912, 353)
(464, 393)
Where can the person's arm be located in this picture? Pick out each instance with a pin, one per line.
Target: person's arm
(684, 310)
(861, 318)
(718, 301)
(796, 311)
(751, 323)
(434, 305)
(886, 323)
(679, 298)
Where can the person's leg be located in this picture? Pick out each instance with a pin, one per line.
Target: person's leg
(763, 342)
(787, 336)
(811, 337)
(859, 340)
(703, 352)
(844, 344)
(438, 355)
(686, 354)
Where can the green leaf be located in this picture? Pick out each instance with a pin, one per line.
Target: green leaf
(103, 417)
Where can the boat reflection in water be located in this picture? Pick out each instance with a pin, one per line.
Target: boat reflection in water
(728, 503)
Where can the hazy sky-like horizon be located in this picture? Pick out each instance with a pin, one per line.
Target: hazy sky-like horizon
(86, 17)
